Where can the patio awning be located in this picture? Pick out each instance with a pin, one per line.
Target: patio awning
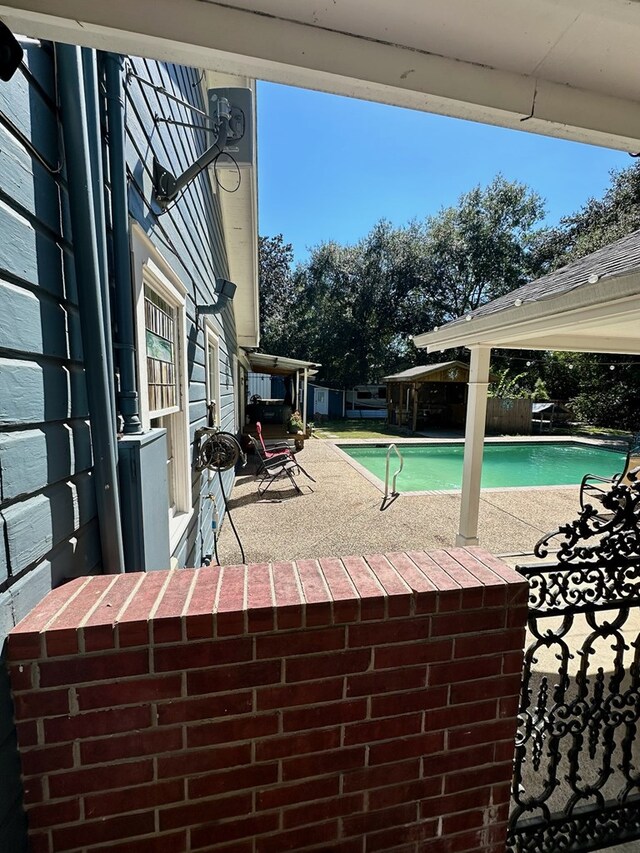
(590, 305)
(279, 365)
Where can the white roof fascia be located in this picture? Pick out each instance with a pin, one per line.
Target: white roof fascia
(240, 225)
(578, 343)
(582, 305)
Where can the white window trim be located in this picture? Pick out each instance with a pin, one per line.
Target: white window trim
(213, 384)
(153, 278)
(150, 267)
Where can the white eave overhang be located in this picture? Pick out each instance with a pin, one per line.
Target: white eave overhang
(240, 224)
(566, 68)
(600, 317)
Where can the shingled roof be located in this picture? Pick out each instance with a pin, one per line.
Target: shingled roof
(618, 258)
(589, 305)
(423, 370)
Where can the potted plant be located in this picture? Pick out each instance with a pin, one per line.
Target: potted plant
(295, 424)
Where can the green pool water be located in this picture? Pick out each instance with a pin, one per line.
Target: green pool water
(429, 466)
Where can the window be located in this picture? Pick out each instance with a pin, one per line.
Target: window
(364, 395)
(212, 344)
(162, 367)
(162, 370)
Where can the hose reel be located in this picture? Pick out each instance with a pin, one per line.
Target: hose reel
(215, 450)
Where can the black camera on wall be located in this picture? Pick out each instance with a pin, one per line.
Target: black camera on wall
(10, 53)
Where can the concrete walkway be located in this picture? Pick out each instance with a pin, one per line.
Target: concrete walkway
(342, 516)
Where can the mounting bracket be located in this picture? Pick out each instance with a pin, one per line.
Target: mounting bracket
(229, 125)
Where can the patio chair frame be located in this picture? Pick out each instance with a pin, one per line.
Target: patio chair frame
(594, 487)
(277, 466)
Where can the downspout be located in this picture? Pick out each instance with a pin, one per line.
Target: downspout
(128, 391)
(90, 74)
(83, 224)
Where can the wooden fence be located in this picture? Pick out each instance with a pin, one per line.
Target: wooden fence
(509, 415)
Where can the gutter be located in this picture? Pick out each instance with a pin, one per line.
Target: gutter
(94, 343)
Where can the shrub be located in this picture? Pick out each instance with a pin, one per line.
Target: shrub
(617, 406)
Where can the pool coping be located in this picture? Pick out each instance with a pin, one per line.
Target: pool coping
(379, 484)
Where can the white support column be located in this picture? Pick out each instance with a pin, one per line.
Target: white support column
(304, 400)
(474, 445)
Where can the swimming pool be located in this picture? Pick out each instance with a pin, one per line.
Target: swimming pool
(439, 466)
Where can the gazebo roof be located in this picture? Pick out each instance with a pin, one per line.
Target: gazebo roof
(423, 371)
(590, 305)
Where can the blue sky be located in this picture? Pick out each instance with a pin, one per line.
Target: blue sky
(330, 167)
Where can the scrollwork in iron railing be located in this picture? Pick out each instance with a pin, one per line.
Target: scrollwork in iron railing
(577, 738)
(581, 832)
(576, 784)
(597, 560)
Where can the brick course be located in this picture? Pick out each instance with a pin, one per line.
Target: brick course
(358, 704)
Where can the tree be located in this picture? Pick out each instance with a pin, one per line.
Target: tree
(479, 249)
(354, 308)
(360, 304)
(278, 294)
(597, 223)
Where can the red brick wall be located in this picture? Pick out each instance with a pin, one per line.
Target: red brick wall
(339, 705)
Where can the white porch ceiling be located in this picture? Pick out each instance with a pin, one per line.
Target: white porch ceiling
(567, 68)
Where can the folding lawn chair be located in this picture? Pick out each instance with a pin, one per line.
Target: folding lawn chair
(277, 467)
(276, 451)
(594, 488)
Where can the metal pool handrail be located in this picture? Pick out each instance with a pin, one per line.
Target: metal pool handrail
(395, 476)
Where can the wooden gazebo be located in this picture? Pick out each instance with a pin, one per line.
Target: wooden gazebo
(429, 395)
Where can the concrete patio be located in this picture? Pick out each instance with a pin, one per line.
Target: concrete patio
(342, 515)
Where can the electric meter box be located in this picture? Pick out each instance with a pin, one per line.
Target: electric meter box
(241, 104)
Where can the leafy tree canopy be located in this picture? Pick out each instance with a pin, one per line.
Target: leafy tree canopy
(479, 249)
(597, 223)
(355, 308)
(277, 293)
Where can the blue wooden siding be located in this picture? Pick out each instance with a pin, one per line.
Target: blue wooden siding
(48, 525)
(190, 237)
(47, 498)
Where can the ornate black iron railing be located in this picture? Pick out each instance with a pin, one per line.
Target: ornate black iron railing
(576, 776)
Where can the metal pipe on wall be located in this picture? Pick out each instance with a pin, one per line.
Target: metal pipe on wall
(128, 391)
(90, 75)
(83, 224)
